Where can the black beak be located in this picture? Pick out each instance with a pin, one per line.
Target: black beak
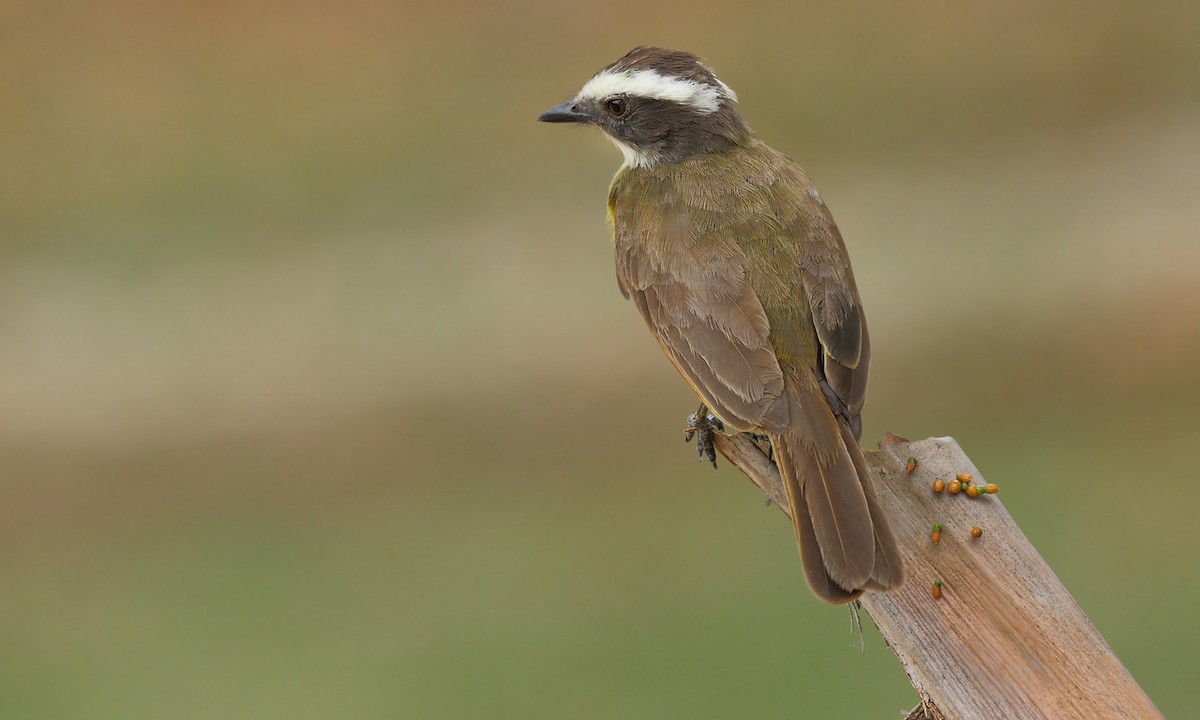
(567, 112)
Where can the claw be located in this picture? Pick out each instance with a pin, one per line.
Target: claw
(701, 425)
(764, 443)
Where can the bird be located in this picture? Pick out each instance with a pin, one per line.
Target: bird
(737, 268)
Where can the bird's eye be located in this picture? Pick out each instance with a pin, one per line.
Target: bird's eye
(616, 107)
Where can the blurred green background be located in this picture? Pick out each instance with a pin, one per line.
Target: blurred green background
(319, 399)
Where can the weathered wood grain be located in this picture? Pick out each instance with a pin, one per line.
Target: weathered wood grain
(1006, 640)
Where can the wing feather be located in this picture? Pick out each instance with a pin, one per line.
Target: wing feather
(833, 298)
(712, 326)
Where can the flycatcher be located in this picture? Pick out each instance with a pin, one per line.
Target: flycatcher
(739, 271)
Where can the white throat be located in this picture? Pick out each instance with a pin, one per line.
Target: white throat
(634, 158)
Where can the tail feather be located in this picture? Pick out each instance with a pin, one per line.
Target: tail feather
(845, 543)
(823, 586)
(828, 504)
(889, 568)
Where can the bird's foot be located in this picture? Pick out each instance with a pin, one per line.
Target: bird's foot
(764, 443)
(701, 425)
(836, 404)
(841, 410)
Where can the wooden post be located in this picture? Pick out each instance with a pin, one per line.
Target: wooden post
(1006, 640)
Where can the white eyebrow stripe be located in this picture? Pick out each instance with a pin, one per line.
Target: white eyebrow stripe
(652, 84)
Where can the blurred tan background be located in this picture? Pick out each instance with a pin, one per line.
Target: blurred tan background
(318, 398)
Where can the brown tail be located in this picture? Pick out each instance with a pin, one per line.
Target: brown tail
(845, 542)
